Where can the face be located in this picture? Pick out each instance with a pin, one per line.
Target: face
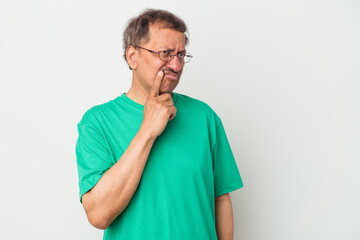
(149, 64)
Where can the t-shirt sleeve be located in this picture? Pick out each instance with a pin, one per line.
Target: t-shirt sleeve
(92, 155)
(226, 174)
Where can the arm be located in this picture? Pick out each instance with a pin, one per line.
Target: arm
(110, 196)
(224, 217)
(113, 192)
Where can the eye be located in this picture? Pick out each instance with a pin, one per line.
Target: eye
(181, 55)
(165, 53)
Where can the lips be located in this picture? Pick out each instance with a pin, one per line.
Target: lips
(171, 75)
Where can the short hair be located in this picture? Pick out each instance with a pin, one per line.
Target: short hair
(137, 28)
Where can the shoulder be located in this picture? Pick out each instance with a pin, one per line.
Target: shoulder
(98, 112)
(197, 107)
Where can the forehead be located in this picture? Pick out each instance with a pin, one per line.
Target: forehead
(160, 37)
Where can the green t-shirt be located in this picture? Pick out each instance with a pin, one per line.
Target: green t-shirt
(189, 165)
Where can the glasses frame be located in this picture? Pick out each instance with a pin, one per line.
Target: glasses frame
(171, 55)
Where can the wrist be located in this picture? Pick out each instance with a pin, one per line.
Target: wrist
(145, 133)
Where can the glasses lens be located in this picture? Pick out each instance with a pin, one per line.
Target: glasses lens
(165, 56)
(187, 57)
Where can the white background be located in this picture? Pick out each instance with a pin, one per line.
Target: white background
(282, 75)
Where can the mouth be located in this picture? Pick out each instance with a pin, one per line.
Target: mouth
(171, 75)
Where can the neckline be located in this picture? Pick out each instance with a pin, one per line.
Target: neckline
(136, 105)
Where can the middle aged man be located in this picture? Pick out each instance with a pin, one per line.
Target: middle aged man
(153, 163)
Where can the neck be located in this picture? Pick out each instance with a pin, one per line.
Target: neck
(137, 97)
(139, 93)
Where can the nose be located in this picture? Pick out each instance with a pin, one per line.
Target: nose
(175, 64)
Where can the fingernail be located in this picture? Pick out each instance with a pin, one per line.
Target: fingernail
(160, 73)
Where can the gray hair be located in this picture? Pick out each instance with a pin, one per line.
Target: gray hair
(137, 29)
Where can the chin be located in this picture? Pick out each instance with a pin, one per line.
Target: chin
(167, 89)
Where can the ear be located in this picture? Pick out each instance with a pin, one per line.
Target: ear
(131, 57)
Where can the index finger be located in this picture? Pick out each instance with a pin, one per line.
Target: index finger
(154, 92)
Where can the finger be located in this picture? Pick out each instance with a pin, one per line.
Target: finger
(154, 92)
(166, 100)
(165, 97)
(173, 114)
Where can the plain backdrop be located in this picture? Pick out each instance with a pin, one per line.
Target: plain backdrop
(282, 75)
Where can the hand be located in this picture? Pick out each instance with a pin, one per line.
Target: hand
(158, 109)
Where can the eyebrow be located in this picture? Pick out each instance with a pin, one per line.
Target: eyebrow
(172, 50)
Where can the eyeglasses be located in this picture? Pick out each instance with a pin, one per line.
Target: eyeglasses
(166, 55)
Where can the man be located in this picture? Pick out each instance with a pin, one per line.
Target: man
(155, 164)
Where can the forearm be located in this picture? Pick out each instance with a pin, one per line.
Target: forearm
(224, 218)
(110, 196)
